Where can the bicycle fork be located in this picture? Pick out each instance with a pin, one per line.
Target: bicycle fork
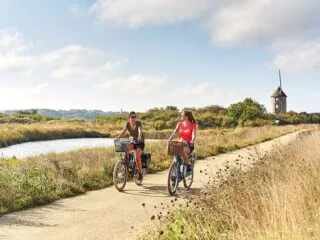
(181, 167)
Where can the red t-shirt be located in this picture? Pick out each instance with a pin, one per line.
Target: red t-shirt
(185, 131)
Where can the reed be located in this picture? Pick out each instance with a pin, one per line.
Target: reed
(278, 198)
(45, 178)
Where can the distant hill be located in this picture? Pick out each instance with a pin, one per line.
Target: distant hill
(81, 114)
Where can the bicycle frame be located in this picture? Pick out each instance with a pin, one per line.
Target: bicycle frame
(178, 172)
(125, 169)
(131, 161)
(180, 162)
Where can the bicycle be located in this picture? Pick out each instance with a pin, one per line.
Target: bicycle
(126, 168)
(178, 169)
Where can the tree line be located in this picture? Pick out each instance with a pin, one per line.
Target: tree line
(244, 113)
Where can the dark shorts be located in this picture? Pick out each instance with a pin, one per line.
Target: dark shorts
(191, 146)
(138, 145)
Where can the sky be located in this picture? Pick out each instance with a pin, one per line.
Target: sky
(128, 55)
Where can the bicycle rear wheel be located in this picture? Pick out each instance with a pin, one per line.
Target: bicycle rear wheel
(173, 178)
(120, 173)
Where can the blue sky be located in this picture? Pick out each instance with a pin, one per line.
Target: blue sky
(136, 55)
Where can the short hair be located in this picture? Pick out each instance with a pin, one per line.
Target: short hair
(132, 113)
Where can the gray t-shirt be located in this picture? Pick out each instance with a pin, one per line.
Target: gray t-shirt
(134, 132)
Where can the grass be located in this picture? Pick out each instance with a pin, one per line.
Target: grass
(213, 142)
(42, 179)
(18, 133)
(277, 198)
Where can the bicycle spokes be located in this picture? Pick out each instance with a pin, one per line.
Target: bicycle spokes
(120, 175)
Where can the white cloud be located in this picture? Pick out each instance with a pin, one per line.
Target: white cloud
(12, 50)
(12, 43)
(65, 72)
(288, 28)
(231, 22)
(135, 84)
(21, 93)
(17, 62)
(36, 89)
(298, 58)
(248, 20)
(86, 72)
(70, 54)
(24, 95)
(201, 94)
(141, 92)
(68, 61)
(137, 13)
(76, 9)
(14, 55)
(192, 90)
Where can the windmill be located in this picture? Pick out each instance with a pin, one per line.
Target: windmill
(279, 99)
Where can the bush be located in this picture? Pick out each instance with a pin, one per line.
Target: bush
(159, 125)
(246, 110)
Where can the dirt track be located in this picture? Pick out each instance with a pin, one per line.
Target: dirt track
(108, 214)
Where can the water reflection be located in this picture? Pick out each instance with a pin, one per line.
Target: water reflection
(64, 145)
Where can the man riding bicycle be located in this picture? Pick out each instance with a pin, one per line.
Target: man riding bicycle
(134, 128)
(186, 129)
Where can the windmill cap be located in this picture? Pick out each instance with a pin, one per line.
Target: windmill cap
(278, 93)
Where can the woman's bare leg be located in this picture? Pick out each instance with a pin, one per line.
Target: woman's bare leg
(185, 154)
(129, 148)
(138, 159)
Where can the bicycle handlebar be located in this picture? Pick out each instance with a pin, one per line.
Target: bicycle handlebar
(184, 142)
(127, 140)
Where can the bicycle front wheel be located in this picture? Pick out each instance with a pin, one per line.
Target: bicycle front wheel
(120, 173)
(188, 179)
(173, 178)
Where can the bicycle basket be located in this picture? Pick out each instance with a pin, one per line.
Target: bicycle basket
(121, 145)
(174, 148)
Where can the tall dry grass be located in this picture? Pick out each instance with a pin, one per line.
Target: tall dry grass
(45, 178)
(215, 141)
(18, 133)
(276, 199)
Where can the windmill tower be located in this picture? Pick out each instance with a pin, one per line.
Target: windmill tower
(279, 99)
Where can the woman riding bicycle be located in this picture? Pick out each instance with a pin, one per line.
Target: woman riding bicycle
(187, 128)
(134, 128)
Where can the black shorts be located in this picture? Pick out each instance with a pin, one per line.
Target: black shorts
(191, 146)
(138, 145)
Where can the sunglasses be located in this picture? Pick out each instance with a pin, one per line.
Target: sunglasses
(133, 116)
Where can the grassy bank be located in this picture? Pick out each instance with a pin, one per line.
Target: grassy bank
(276, 199)
(45, 178)
(18, 133)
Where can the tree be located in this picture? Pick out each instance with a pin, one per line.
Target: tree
(172, 108)
(212, 108)
(159, 125)
(246, 110)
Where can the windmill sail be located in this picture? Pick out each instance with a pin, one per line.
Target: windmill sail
(280, 79)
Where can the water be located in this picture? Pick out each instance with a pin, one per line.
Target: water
(42, 147)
